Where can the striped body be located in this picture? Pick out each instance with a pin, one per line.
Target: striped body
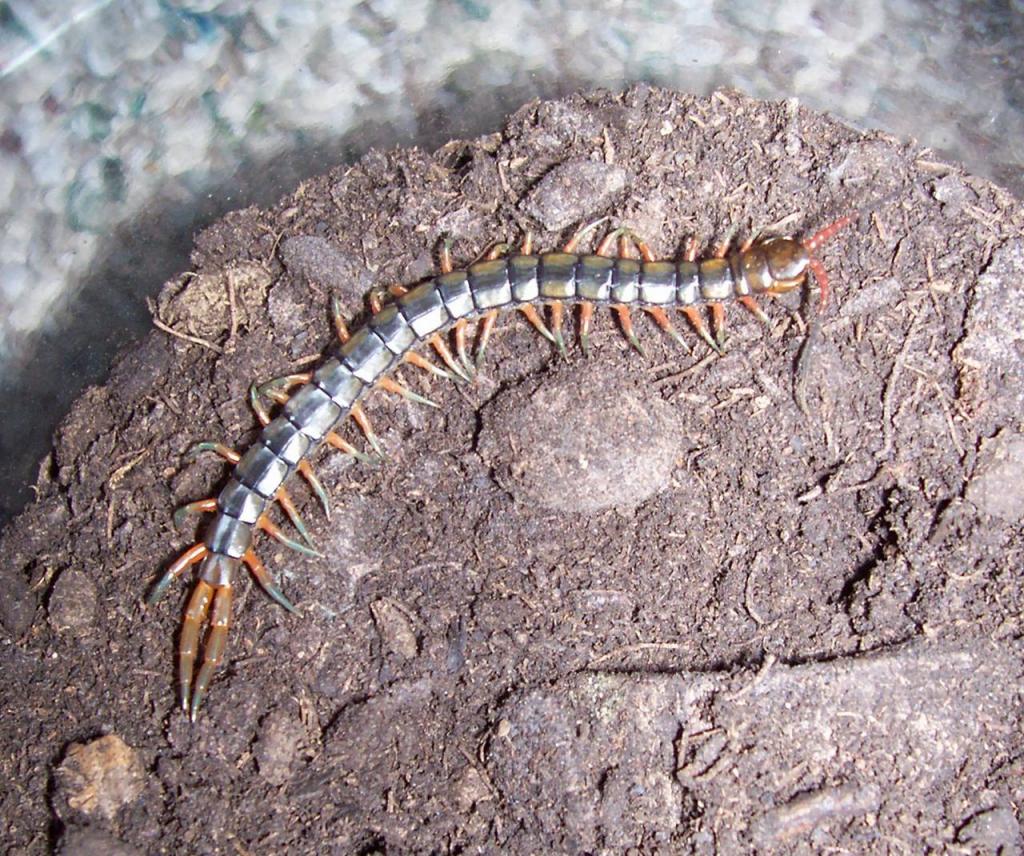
(431, 308)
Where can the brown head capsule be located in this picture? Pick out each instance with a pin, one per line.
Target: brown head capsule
(787, 260)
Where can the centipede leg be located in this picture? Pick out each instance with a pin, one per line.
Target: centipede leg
(718, 324)
(483, 336)
(305, 469)
(695, 319)
(199, 507)
(338, 318)
(531, 315)
(188, 645)
(266, 582)
(284, 499)
(626, 322)
(273, 530)
(557, 316)
(496, 252)
(751, 305)
(229, 455)
(582, 232)
(586, 319)
(662, 320)
(421, 362)
(459, 332)
(363, 421)
(445, 260)
(393, 386)
(196, 553)
(444, 352)
(216, 641)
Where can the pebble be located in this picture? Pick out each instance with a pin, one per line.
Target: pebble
(277, 746)
(72, 604)
(96, 779)
(583, 440)
(574, 192)
(321, 261)
(997, 485)
(994, 831)
(87, 841)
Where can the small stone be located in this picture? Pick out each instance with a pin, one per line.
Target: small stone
(997, 485)
(277, 746)
(72, 604)
(86, 841)
(397, 633)
(992, 831)
(574, 191)
(100, 777)
(203, 305)
(320, 261)
(470, 789)
(584, 440)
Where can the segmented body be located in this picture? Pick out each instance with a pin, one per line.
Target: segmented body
(378, 347)
(365, 359)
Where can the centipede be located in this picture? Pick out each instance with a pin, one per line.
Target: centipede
(621, 275)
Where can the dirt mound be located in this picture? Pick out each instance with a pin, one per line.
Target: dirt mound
(684, 602)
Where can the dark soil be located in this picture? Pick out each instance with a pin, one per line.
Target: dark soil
(686, 603)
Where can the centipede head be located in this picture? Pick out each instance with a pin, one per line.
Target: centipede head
(787, 260)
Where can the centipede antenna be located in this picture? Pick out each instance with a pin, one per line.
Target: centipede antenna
(828, 232)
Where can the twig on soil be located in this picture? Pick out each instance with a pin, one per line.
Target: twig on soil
(747, 600)
(195, 340)
(762, 673)
(229, 345)
(890, 391)
(636, 648)
(668, 380)
(804, 364)
(947, 412)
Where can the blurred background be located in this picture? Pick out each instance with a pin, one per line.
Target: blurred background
(127, 126)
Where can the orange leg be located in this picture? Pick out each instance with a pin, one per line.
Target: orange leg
(718, 323)
(216, 641)
(265, 524)
(586, 318)
(461, 344)
(695, 319)
(626, 322)
(288, 505)
(337, 315)
(421, 362)
(305, 469)
(751, 305)
(573, 242)
(200, 507)
(266, 582)
(484, 330)
(447, 266)
(557, 316)
(496, 252)
(530, 313)
(662, 320)
(363, 421)
(188, 645)
(393, 386)
(196, 553)
(444, 352)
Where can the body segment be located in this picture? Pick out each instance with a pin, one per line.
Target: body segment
(368, 357)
